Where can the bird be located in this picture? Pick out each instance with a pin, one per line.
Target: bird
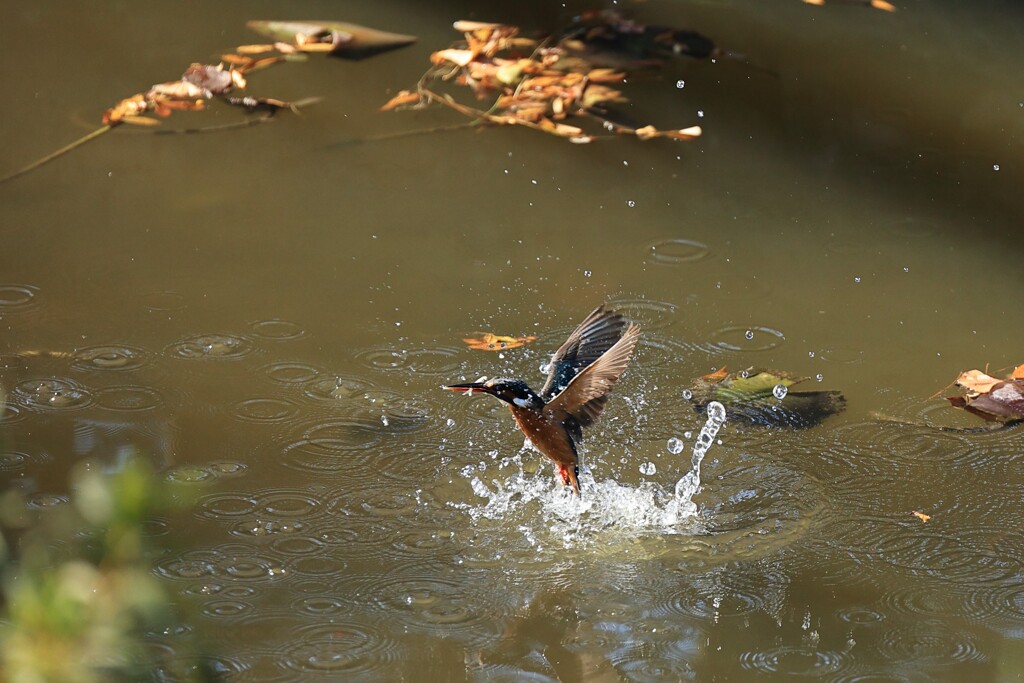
(581, 374)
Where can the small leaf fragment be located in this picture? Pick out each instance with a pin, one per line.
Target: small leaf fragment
(921, 516)
(404, 97)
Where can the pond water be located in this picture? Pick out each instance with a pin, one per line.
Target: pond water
(270, 312)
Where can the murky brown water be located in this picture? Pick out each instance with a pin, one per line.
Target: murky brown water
(272, 311)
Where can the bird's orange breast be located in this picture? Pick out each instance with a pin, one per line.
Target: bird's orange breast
(548, 436)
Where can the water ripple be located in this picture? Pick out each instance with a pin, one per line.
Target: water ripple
(290, 373)
(335, 388)
(795, 661)
(330, 446)
(673, 252)
(18, 297)
(51, 393)
(276, 330)
(650, 314)
(129, 398)
(104, 358)
(212, 347)
(930, 643)
(441, 360)
(265, 410)
(752, 338)
(344, 647)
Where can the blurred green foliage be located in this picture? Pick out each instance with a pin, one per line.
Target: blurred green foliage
(78, 592)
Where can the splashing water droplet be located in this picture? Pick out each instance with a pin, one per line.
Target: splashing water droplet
(995, 167)
(779, 391)
(648, 468)
(680, 84)
(686, 487)
(749, 334)
(856, 279)
(687, 394)
(820, 377)
(450, 422)
(630, 203)
(675, 446)
(587, 273)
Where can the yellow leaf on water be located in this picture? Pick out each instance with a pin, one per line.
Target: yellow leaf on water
(493, 342)
(883, 5)
(921, 516)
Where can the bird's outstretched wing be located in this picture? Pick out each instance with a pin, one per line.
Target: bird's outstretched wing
(598, 332)
(582, 401)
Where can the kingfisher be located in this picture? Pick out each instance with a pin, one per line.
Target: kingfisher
(581, 374)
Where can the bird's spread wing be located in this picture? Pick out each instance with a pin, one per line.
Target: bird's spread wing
(595, 335)
(582, 401)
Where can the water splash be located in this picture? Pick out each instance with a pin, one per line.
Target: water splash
(689, 484)
(607, 512)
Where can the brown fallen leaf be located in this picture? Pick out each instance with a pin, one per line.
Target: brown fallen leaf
(493, 342)
(921, 516)
(990, 398)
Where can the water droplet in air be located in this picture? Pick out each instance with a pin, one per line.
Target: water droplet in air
(856, 279)
(680, 84)
(648, 468)
(675, 446)
(820, 377)
(810, 354)
(779, 391)
(749, 334)
(687, 394)
(687, 435)
(587, 273)
(995, 167)
(716, 411)
(450, 422)
(630, 203)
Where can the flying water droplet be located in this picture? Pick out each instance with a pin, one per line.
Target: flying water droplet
(680, 84)
(648, 468)
(450, 422)
(675, 446)
(686, 487)
(820, 377)
(587, 273)
(749, 334)
(779, 391)
(630, 203)
(687, 394)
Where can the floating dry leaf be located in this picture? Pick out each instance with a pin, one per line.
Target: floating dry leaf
(921, 516)
(493, 342)
(336, 38)
(875, 4)
(403, 98)
(990, 398)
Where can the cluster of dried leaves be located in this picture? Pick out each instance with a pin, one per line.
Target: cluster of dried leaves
(293, 40)
(991, 398)
(537, 84)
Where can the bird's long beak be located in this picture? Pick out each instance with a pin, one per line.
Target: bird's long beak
(469, 388)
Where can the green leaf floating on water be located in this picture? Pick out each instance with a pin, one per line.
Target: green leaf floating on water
(763, 398)
(332, 37)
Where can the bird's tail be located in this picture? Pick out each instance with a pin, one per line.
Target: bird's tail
(570, 476)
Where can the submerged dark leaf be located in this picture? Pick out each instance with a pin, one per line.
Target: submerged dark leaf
(763, 398)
